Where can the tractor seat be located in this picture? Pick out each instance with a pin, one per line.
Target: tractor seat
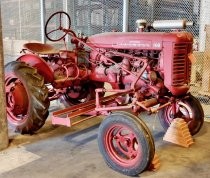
(41, 48)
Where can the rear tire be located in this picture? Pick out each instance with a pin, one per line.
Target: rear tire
(126, 143)
(26, 98)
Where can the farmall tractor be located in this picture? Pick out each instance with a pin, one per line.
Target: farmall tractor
(144, 69)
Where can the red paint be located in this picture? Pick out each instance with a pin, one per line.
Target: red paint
(122, 145)
(17, 100)
(138, 66)
(130, 70)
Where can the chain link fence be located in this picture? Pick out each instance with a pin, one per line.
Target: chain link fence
(21, 23)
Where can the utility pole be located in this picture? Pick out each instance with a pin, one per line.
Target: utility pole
(4, 141)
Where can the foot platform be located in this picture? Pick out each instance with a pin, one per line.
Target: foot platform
(66, 116)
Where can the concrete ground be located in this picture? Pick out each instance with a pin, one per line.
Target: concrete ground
(61, 152)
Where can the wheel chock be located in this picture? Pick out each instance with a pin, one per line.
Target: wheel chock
(178, 133)
(155, 164)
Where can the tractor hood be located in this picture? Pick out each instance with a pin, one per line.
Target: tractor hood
(136, 40)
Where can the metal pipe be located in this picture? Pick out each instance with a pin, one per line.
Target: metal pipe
(42, 19)
(20, 21)
(4, 141)
(169, 24)
(204, 19)
(153, 110)
(125, 15)
(65, 6)
(65, 9)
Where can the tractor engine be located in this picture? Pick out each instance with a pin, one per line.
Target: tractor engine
(162, 58)
(67, 67)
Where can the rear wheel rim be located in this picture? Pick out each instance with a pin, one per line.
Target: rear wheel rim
(16, 100)
(122, 145)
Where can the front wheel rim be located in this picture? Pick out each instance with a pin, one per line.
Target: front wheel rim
(122, 145)
(182, 111)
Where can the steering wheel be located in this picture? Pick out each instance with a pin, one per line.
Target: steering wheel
(57, 26)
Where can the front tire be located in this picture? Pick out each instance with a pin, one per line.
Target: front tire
(189, 109)
(26, 98)
(126, 144)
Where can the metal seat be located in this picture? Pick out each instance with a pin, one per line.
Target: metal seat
(41, 48)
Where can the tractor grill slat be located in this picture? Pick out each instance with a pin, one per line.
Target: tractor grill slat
(180, 46)
(179, 76)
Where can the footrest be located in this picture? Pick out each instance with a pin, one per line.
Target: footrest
(61, 121)
(64, 116)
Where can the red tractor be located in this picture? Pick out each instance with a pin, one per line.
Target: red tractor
(144, 69)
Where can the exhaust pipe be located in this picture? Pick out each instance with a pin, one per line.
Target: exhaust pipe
(171, 24)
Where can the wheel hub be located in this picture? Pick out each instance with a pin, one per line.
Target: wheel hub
(122, 145)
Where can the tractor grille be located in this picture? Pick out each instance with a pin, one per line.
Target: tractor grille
(181, 65)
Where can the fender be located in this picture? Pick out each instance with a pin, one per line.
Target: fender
(40, 64)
